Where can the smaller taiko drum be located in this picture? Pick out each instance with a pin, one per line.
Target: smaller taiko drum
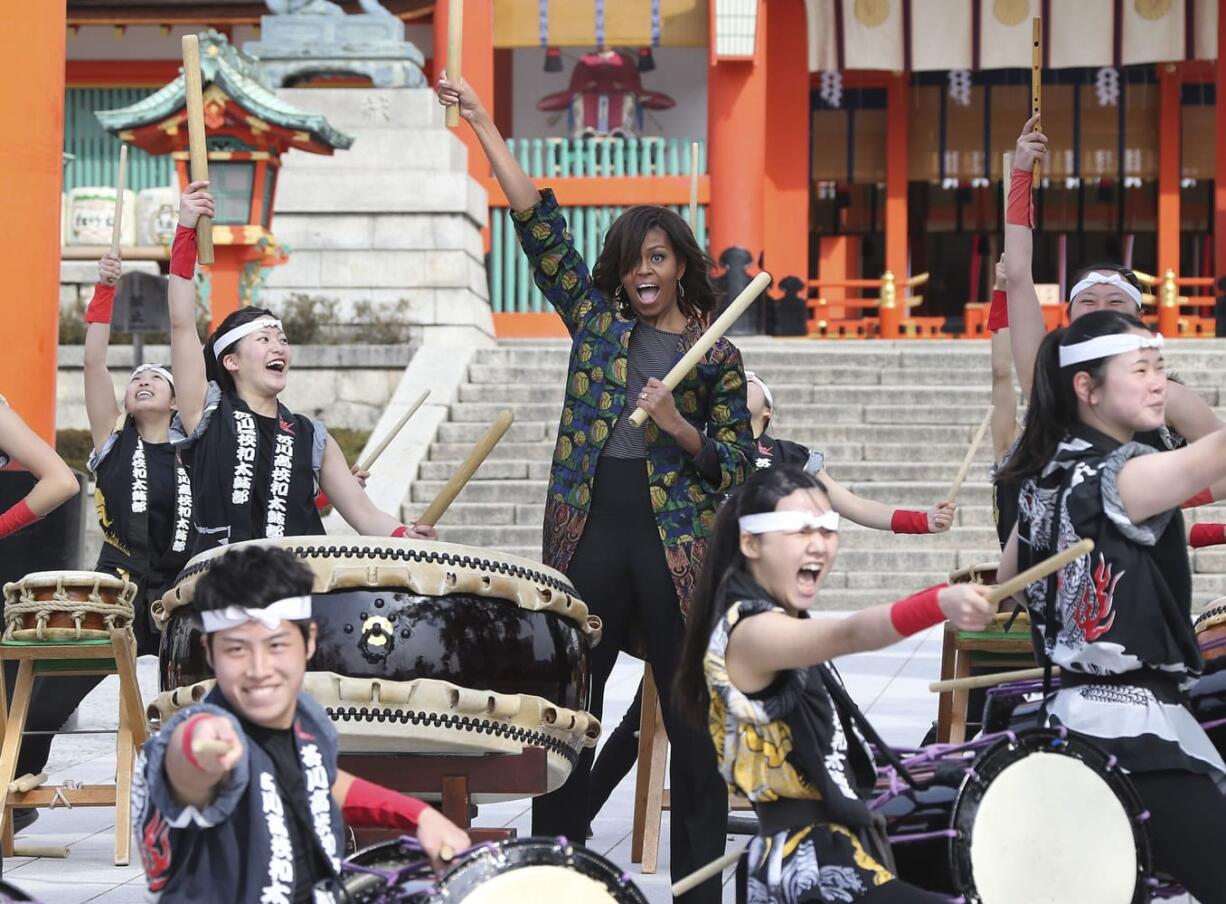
(1210, 628)
(979, 573)
(67, 606)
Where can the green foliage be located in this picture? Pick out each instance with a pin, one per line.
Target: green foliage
(351, 441)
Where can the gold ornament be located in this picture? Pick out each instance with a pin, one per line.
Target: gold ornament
(1011, 12)
(1152, 9)
(872, 13)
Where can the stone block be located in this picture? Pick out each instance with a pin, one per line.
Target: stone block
(391, 269)
(369, 108)
(390, 151)
(323, 232)
(362, 191)
(366, 387)
(462, 308)
(427, 232)
(304, 269)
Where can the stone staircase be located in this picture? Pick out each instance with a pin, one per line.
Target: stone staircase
(893, 418)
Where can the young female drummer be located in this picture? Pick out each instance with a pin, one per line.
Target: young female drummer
(255, 466)
(56, 482)
(769, 451)
(629, 509)
(756, 670)
(1098, 287)
(143, 498)
(1117, 621)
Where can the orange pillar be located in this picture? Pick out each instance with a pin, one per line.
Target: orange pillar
(225, 275)
(32, 171)
(896, 200)
(478, 70)
(1219, 183)
(786, 195)
(736, 138)
(1170, 129)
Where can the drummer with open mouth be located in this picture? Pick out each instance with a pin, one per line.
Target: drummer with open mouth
(239, 798)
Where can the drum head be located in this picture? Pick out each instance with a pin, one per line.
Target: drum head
(535, 870)
(1045, 819)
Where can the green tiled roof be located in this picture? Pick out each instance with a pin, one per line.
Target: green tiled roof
(239, 76)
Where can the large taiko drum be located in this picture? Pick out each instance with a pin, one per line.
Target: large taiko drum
(67, 606)
(1019, 817)
(423, 647)
(1207, 698)
(522, 871)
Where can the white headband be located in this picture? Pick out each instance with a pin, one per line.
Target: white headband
(293, 608)
(1107, 347)
(766, 392)
(228, 338)
(789, 522)
(1097, 279)
(157, 369)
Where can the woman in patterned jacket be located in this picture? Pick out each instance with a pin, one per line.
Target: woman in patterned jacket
(756, 670)
(629, 510)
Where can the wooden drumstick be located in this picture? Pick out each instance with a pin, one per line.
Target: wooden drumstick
(978, 681)
(54, 852)
(1037, 572)
(120, 185)
(27, 782)
(446, 853)
(694, 187)
(1036, 79)
(386, 441)
(965, 467)
(703, 873)
(455, 39)
(465, 471)
(210, 745)
(709, 338)
(197, 151)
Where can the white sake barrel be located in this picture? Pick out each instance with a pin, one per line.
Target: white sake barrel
(90, 212)
(157, 215)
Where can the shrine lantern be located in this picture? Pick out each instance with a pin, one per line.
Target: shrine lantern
(248, 129)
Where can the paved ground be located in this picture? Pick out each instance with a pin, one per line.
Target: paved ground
(890, 685)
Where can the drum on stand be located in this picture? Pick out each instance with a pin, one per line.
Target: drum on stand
(1038, 815)
(67, 606)
(523, 871)
(424, 647)
(1207, 698)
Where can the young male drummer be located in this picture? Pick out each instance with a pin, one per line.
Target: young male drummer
(239, 798)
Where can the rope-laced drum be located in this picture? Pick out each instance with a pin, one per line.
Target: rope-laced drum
(1207, 698)
(523, 871)
(424, 647)
(67, 606)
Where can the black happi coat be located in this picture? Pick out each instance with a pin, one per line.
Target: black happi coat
(769, 452)
(238, 849)
(144, 503)
(235, 497)
(1117, 621)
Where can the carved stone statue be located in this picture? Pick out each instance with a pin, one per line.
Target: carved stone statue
(308, 38)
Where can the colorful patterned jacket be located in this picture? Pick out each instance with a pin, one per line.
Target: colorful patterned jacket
(711, 397)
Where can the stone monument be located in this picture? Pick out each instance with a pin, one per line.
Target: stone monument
(308, 38)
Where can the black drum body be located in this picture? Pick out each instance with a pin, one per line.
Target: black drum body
(422, 648)
(395, 635)
(529, 870)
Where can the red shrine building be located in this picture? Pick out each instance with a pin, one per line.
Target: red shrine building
(853, 148)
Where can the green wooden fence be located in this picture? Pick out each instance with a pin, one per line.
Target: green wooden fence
(96, 151)
(511, 286)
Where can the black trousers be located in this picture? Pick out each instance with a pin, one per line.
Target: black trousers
(620, 571)
(1187, 825)
(617, 755)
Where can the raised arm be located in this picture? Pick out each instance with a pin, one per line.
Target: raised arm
(879, 516)
(515, 183)
(1188, 414)
(100, 405)
(1026, 326)
(186, 352)
(766, 644)
(1151, 484)
(56, 482)
(347, 496)
(1004, 398)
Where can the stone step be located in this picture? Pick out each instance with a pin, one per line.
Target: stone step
(540, 450)
(526, 491)
(921, 494)
(492, 469)
(521, 431)
(863, 471)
